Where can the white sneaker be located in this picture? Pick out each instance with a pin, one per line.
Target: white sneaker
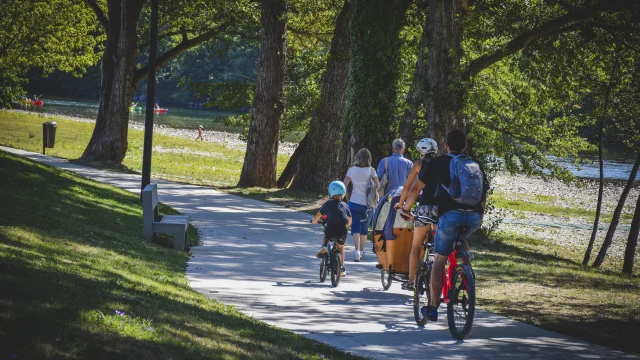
(357, 256)
(321, 252)
(362, 255)
(343, 272)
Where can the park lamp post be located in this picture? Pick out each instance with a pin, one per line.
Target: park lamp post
(151, 95)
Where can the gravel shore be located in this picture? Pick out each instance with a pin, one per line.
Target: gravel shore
(559, 229)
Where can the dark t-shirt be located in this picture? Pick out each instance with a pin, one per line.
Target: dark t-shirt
(338, 215)
(428, 196)
(437, 172)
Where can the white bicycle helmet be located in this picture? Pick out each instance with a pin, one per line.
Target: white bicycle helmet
(427, 146)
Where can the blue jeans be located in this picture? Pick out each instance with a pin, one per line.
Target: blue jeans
(447, 232)
(360, 219)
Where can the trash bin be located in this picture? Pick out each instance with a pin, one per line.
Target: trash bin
(48, 134)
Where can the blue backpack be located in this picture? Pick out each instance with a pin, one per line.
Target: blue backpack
(466, 180)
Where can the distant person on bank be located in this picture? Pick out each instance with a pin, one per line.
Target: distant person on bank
(200, 133)
(395, 169)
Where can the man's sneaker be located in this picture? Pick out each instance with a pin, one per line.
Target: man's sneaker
(430, 312)
(321, 252)
(362, 255)
(357, 256)
(343, 272)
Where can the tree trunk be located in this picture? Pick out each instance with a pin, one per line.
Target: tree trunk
(632, 242)
(322, 154)
(293, 165)
(259, 168)
(373, 75)
(444, 92)
(616, 214)
(416, 95)
(108, 143)
(596, 221)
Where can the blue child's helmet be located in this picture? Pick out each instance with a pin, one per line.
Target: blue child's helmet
(337, 188)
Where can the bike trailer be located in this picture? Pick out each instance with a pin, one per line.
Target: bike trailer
(392, 235)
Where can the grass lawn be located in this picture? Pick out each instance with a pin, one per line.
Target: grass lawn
(544, 284)
(173, 158)
(542, 204)
(78, 281)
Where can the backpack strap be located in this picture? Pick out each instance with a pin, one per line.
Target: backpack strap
(453, 158)
(386, 164)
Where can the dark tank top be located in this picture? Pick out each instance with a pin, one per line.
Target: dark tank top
(428, 195)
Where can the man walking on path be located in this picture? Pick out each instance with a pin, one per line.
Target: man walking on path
(394, 168)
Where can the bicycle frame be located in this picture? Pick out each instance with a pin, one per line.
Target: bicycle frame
(448, 275)
(330, 245)
(447, 283)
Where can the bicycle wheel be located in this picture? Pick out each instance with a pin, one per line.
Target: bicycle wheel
(323, 268)
(336, 266)
(462, 303)
(422, 291)
(385, 277)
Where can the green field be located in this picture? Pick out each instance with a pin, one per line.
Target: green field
(78, 281)
(173, 158)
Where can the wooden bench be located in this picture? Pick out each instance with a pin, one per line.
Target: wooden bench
(154, 223)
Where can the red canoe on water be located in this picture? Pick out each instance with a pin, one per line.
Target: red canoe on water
(160, 110)
(37, 102)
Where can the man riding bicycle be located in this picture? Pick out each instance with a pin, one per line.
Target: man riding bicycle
(462, 192)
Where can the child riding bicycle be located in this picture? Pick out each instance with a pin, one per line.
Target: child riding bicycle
(338, 218)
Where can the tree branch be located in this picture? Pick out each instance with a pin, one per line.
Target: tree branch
(102, 18)
(185, 45)
(549, 28)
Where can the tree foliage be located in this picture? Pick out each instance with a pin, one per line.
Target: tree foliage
(538, 101)
(47, 34)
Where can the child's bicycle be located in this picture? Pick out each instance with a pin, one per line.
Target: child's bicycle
(331, 261)
(458, 290)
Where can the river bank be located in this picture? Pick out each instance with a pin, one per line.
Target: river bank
(227, 139)
(562, 213)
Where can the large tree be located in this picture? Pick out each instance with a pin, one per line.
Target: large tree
(260, 161)
(326, 121)
(184, 24)
(373, 75)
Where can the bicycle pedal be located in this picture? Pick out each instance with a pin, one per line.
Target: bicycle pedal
(378, 266)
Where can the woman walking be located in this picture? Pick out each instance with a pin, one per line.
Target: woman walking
(360, 175)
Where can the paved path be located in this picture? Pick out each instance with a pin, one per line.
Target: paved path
(260, 258)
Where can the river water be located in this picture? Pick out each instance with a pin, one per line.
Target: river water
(617, 165)
(176, 117)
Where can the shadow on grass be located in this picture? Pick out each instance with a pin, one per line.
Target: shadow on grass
(43, 315)
(536, 282)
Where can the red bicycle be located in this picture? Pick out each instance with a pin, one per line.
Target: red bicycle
(458, 290)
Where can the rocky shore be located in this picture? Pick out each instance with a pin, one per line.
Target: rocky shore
(570, 231)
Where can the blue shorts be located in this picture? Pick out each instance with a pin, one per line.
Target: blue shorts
(360, 216)
(447, 232)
